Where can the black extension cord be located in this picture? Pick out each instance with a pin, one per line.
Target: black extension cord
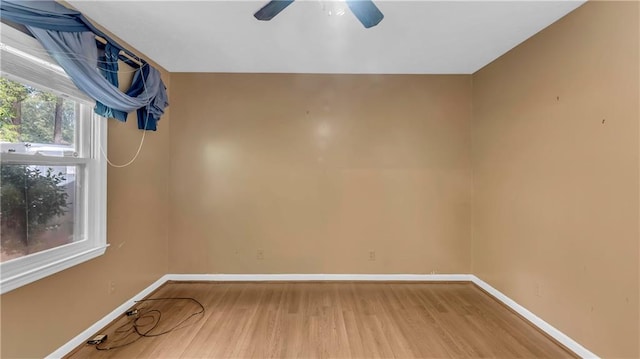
(133, 327)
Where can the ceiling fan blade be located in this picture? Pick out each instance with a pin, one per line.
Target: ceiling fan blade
(366, 11)
(272, 9)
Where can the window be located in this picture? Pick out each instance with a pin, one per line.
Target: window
(52, 173)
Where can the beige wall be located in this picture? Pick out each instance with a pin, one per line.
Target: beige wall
(555, 188)
(316, 171)
(40, 317)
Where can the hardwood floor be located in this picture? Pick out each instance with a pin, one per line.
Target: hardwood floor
(331, 320)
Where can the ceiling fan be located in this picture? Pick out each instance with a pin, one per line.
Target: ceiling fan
(365, 10)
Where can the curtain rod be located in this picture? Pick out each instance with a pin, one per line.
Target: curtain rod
(135, 59)
(101, 36)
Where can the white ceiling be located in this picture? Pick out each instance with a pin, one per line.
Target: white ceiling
(415, 37)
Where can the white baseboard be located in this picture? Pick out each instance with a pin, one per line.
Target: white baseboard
(535, 320)
(319, 277)
(89, 332)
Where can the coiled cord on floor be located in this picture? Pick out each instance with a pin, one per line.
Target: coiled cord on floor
(145, 318)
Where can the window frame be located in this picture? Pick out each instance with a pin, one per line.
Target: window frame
(20, 271)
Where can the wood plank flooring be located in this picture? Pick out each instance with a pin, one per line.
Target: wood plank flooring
(331, 320)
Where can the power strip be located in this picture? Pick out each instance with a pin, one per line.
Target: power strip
(97, 339)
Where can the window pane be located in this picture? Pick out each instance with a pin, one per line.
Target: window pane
(37, 208)
(34, 121)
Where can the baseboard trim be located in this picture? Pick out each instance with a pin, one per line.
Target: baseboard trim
(525, 313)
(89, 332)
(320, 277)
(535, 320)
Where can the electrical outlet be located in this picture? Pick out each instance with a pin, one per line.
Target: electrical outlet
(112, 287)
(260, 254)
(372, 255)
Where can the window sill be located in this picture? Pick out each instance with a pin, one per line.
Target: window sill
(11, 283)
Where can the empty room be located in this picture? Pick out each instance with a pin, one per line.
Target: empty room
(320, 179)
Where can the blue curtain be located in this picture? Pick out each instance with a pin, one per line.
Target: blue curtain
(70, 40)
(43, 14)
(108, 65)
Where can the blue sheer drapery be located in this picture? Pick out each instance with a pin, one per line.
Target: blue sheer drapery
(44, 14)
(70, 40)
(108, 65)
